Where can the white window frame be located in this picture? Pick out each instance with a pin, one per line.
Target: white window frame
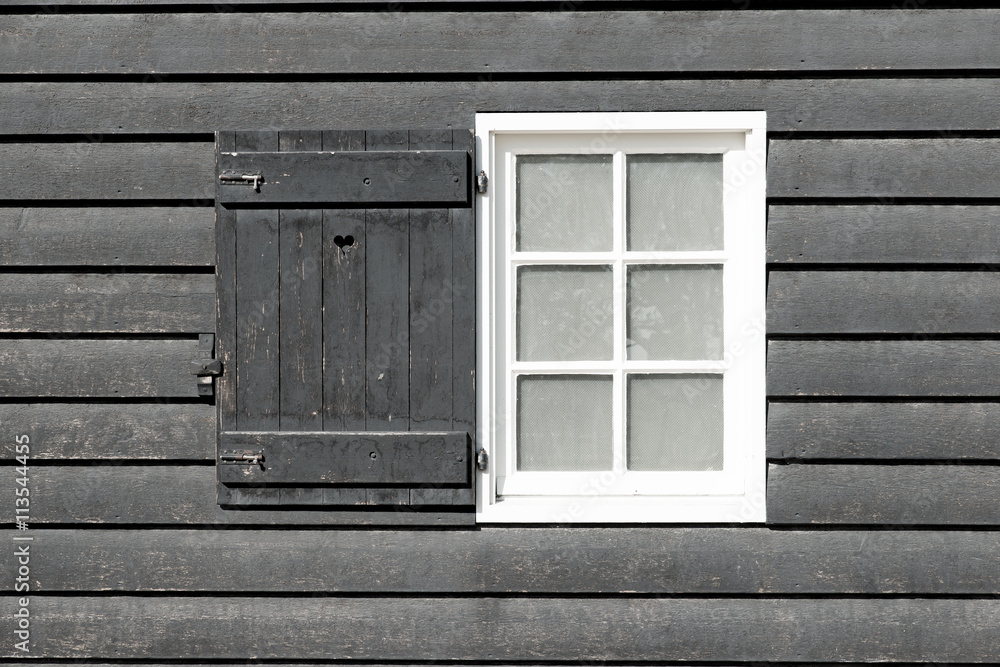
(733, 495)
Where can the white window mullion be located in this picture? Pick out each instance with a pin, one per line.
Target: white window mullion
(618, 411)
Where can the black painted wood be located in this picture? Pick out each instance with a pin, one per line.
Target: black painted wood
(883, 234)
(374, 177)
(344, 319)
(883, 494)
(515, 629)
(115, 431)
(926, 431)
(99, 236)
(225, 289)
(185, 495)
(300, 242)
(509, 559)
(464, 313)
(430, 308)
(105, 171)
(97, 368)
(838, 302)
(811, 104)
(257, 306)
(883, 368)
(485, 43)
(387, 343)
(112, 303)
(364, 457)
(883, 168)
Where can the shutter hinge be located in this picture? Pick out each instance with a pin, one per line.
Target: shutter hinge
(482, 183)
(482, 460)
(206, 368)
(229, 177)
(242, 457)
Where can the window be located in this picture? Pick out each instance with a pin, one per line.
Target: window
(621, 325)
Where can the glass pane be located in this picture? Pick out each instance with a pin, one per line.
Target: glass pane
(674, 422)
(674, 202)
(564, 202)
(564, 313)
(674, 312)
(564, 422)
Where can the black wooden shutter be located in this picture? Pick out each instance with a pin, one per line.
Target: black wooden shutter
(346, 319)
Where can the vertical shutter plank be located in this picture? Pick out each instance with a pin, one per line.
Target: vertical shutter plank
(257, 295)
(463, 229)
(344, 321)
(225, 290)
(300, 237)
(387, 285)
(430, 305)
(387, 343)
(344, 309)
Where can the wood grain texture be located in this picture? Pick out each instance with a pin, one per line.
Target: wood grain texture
(107, 303)
(883, 168)
(387, 342)
(860, 302)
(178, 496)
(884, 234)
(518, 560)
(365, 457)
(883, 494)
(812, 104)
(158, 236)
(378, 178)
(479, 43)
(927, 431)
(97, 368)
(521, 629)
(103, 171)
(344, 320)
(92, 431)
(225, 289)
(883, 368)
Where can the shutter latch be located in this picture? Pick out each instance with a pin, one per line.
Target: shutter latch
(229, 177)
(482, 460)
(242, 457)
(482, 182)
(206, 368)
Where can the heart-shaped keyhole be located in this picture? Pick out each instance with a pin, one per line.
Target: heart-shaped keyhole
(343, 241)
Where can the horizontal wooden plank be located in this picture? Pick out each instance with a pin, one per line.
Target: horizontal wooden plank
(65, 171)
(348, 177)
(884, 234)
(918, 104)
(480, 42)
(501, 629)
(858, 302)
(883, 368)
(100, 236)
(101, 431)
(883, 168)
(366, 457)
(97, 368)
(179, 495)
(115, 303)
(495, 560)
(883, 494)
(928, 431)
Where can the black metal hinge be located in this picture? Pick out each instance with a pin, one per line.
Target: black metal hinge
(482, 183)
(207, 367)
(482, 460)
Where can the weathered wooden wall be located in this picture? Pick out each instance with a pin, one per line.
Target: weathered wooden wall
(883, 242)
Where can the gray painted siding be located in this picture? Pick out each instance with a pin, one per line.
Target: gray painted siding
(883, 232)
